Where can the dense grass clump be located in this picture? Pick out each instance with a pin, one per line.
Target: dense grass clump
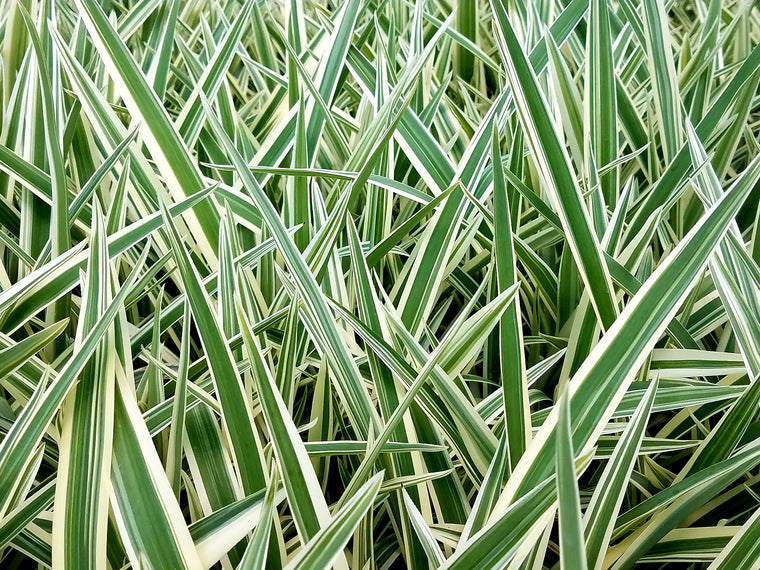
(377, 284)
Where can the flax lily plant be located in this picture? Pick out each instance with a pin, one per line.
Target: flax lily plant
(372, 285)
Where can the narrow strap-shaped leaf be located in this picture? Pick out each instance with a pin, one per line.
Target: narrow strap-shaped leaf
(668, 518)
(60, 238)
(663, 77)
(442, 412)
(461, 335)
(189, 122)
(165, 145)
(429, 544)
(348, 379)
(147, 515)
(79, 524)
(18, 519)
(511, 352)
(34, 419)
(214, 535)
(498, 542)
(599, 519)
(59, 225)
(555, 168)
(18, 353)
(571, 551)
(62, 273)
(726, 471)
(732, 279)
(307, 503)
(723, 438)
(437, 171)
(236, 411)
(256, 551)
(668, 183)
(743, 550)
(600, 111)
(600, 382)
(385, 384)
(327, 545)
(330, 68)
(179, 409)
(488, 492)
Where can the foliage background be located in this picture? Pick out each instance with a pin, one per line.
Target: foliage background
(379, 284)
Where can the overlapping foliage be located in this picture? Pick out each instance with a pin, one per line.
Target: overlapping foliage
(379, 285)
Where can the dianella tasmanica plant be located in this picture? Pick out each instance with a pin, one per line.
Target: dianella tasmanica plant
(379, 284)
